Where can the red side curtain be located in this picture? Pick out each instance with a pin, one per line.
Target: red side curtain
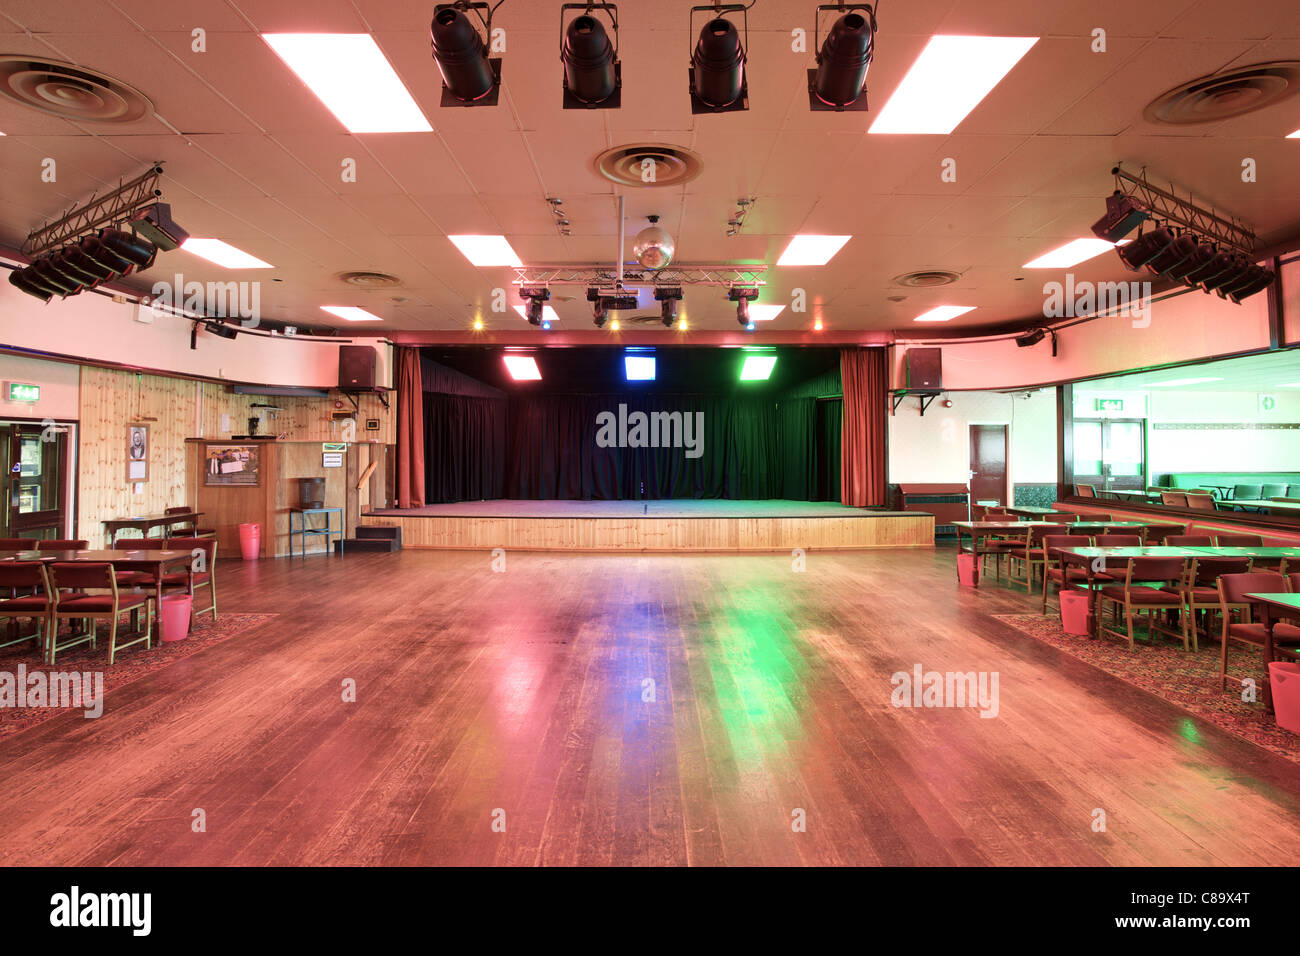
(410, 429)
(865, 378)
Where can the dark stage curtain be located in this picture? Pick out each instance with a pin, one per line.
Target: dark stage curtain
(862, 448)
(466, 447)
(830, 418)
(410, 430)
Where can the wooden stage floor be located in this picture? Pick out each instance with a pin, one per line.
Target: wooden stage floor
(522, 695)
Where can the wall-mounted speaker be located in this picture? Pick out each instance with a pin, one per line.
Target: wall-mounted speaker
(924, 369)
(357, 368)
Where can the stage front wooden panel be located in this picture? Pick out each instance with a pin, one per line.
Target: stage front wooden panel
(662, 534)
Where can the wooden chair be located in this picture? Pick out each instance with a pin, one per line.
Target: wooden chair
(188, 530)
(1150, 584)
(1054, 569)
(1201, 587)
(1188, 540)
(1233, 589)
(1085, 491)
(29, 598)
(1092, 517)
(1061, 518)
(63, 544)
(139, 579)
(1030, 557)
(200, 574)
(1239, 541)
(1174, 499)
(17, 544)
(1118, 541)
(76, 578)
(1201, 501)
(1161, 532)
(1294, 581)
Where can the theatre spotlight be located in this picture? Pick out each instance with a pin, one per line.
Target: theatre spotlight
(221, 329)
(668, 299)
(1211, 269)
(1145, 248)
(67, 267)
(21, 280)
(1198, 257)
(1172, 256)
(592, 74)
(717, 73)
(598, 312)
(1030, 338)
(46, 274)
(536, 296)
(469, 77)
(1122, 217)
(1230, 276)
(742, 298)
(155, 223)
(1257, 281)
(840, 78)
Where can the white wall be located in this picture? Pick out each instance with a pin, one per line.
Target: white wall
(59, 382)
(936, 447)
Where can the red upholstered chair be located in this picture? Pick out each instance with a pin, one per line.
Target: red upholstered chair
(1176, 499)
(1201, 587)
(1030, 557)
(1054, 570)
(75, 578)
(17, 544)
(1188, 540)
(202, 573)
(1200, 502)
(1090, 516)
(1061, 518)
(1294, 581)
(27, 597)
(1162, 531)
(1233, 589)
(188, 530)
(139, 579)
(63, 544)
(1118, 541)
(1085, 491)
(1239, 540)
(1150, 584)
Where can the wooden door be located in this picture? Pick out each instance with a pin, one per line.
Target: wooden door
(988, 464)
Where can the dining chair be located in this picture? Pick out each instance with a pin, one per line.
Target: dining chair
(1085, 491)
(198, 574)
(1294, 581)
(76, 577)
(1188, 540)
(1175, 499)
(1239, 541)
(1162, 532)
(1118, 541)
(29, 598)
(1273, 490)
(1233, 589)
(1093, 517)
(1248, 492)
(1200, 501)
(1201, 588)
(17, 544)
(1150, 585)
(1061, 518)
(63, 544)
(1055, 571)
(188, 530)
(139, 579)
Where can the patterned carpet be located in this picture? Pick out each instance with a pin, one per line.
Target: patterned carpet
(1189, 680)
(132, 664)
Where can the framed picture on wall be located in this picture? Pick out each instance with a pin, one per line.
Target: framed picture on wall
(231, 464)
(137, 452)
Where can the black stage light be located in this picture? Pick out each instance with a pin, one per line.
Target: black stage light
(1030, 338)
(136, 250)
(1217, 265)
(43, 270)
(1247, 276)
(75, 254)
(156, 224)
(598, 313)
(1230, 276)
(70, 268)
(33, 278)
(742, 297)
(1121, 218)
(668, 297)
(1145, 248)
(1259, 283)
(469, 77)
(1172, 256)
(221, 329)
(592, 76)
(840, 79)
(20, 280)
(1202, 254)
(535, 297)
(717, 74)
(100, 253)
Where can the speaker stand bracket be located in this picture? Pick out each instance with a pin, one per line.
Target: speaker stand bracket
(927, 399)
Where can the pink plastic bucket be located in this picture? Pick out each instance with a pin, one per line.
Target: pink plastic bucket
(1284, 680)
(176, 616)
(1074, 612)
(250, 541)
(968, 570)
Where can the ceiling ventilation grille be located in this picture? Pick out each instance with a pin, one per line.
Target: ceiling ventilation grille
(73, 92)
(647, 165)
(1210, 99)
(927, 278)
(370, 280)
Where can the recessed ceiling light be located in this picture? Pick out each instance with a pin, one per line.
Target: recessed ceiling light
(1295, 135)
(522, 368)
(639, 368)
(351, 313)
(1070, 254)
(759, 312)
(1174, 382)
(942, 313)
(223, 254)
(757, 368)
(486, 250)
(353, 78)
(811, 250)
(548, 314)
(947, 81)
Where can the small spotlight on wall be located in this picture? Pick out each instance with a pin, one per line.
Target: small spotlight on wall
(717, 74)
(592, 74)
(469, 78)
(840, 78)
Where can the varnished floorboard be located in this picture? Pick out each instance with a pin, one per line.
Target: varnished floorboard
(522, 697)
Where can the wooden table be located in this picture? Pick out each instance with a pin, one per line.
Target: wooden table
(156, 563)
(147, 523)
(1248, 551)
(1262, 504)
(1033, 511)
(1093, 561)
(1273, 607)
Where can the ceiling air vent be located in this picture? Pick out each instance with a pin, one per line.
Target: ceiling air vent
(370, 280)
(73, 92)
(644, 165)
(927, 278)
(1224, 95)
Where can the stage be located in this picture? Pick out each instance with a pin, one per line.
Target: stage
(661, 525)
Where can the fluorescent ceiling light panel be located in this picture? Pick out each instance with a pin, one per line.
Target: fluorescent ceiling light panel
(223, 254)
(351, 313)
(639, 368)
(353, 78)
(1174, 383)
(548, 314)
(1295, 135)
(522, 368)
(1070, 254)
(811, 250)
(764, 313)
(942, 313)
(486, 250)
(947, 81)
(757, 368)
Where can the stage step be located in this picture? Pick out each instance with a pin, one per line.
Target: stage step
(383, 545)
(385, 532)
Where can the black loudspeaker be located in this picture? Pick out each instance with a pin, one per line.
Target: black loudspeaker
(356, 368)
(924, 369)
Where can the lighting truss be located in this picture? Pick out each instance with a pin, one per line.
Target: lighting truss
(1163, 204)
(604, 277)
(113, 207)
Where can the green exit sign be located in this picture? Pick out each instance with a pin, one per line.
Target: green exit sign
(21, 392)
(1110, 404)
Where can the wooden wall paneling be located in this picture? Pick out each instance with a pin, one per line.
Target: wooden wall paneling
(226, 507)
(303, 460)
(297, 419)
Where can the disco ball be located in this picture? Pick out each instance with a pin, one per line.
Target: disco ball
(653, 247)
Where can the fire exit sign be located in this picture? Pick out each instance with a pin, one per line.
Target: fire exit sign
(1110, 404)
(22, 392)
